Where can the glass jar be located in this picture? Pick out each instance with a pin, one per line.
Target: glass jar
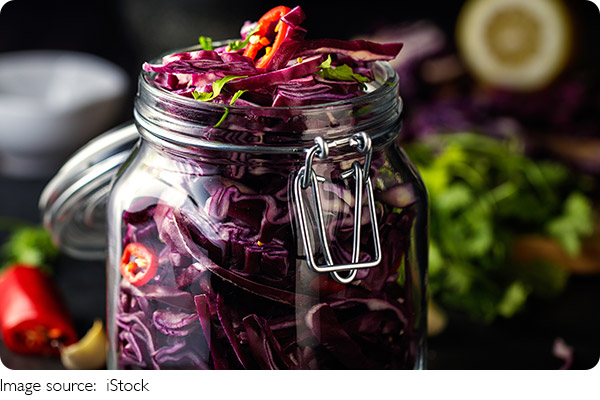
(270, 238)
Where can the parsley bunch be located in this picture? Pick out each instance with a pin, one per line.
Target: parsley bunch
(484, 194)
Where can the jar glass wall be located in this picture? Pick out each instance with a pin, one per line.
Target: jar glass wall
(217, 235)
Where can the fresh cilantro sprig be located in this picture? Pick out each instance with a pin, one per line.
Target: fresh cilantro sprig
(340, 72)
(217, 87)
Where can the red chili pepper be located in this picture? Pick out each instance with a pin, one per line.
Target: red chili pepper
(281, 30)
(262, 26)
(139, 264)
(33, 317)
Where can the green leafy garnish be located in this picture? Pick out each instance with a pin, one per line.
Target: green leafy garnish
(240, 44)
(574, 223)
(31, 245)
(340, 73)
(486, 193)
(206, 43)
(513, 299)
(233, 99)
(217, 86)
(204, 96)
(236, 96)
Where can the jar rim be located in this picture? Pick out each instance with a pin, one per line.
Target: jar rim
(171, 120)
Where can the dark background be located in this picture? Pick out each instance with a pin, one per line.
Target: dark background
(129, 32)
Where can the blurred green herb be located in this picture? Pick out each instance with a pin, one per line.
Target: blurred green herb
(27, 244)
(485, 193)
(206, 43)
(575, 222)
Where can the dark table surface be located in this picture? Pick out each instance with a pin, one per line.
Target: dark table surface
(523, 342)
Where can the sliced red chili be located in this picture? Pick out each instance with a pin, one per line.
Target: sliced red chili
(139, 264)
(257, 42)
(281, 30)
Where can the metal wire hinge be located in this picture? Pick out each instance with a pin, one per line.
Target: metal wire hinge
(307, 178)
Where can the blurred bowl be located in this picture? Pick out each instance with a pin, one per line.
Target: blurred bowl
(51, 103)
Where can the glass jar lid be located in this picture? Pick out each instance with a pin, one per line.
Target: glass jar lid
(73, 203)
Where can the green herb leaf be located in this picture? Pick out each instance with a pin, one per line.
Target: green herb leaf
(513, 299)
(226, 113)
(574, 224)
(327, 63)
(31, 245)
(206, 43)
(485, 194)
(240, 44)
(340, 73)
(236, 96)
(203, 96)
(217, 87)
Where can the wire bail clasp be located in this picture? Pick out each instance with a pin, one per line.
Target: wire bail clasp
(307, 178)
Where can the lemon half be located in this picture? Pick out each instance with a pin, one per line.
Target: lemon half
(516, 44)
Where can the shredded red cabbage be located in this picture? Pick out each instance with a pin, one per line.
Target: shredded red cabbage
(295, 58)
(225, 299)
